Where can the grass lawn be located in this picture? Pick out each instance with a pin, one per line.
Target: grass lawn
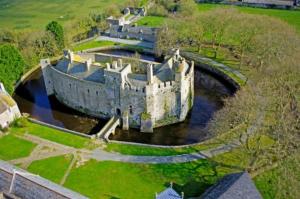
(152, 21)
(52, 168)
(12, 147)
(126, 180)
(36, 14)
(155, 151)
(97, 44)
(290, 16)
(54, 135)
(92, 44)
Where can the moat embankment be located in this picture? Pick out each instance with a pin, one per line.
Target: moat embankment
(209, 92)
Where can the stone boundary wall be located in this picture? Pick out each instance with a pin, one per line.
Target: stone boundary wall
(142, 50)
(60, 128)
(25, 185)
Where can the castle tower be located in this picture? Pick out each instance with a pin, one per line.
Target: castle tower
(45, 63)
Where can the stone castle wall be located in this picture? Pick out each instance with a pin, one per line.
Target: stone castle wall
(163, 103)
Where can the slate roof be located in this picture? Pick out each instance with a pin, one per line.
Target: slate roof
(169, 193)
(233, 186)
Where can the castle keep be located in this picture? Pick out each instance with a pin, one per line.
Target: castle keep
(141, 93)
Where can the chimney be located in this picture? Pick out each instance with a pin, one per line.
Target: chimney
(150, 73)
(120, 63)
(88, 64)
(71, 56)
(114, 65)
(107, 66)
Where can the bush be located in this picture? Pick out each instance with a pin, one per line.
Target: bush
(12, 66)
(20, 122)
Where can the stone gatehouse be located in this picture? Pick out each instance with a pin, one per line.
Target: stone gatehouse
(143, 94)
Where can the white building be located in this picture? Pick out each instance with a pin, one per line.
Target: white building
(9, 109)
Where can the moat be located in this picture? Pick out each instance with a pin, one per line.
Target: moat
(209, 92)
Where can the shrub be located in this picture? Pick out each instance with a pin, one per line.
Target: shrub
(12, 66)
(20, 122)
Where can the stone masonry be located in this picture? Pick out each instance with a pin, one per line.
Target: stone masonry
(142, 94)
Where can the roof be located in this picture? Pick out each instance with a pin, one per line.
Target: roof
(169, 193)
(233, 186)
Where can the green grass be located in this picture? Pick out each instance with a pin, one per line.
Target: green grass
(128, 149)
(12, 147)
(152, 21)
(93, 44)
(290, 16)
(52, 168)
(126, 180)
(54, 135)
(36, 14)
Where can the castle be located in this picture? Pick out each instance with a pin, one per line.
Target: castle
(141, 93)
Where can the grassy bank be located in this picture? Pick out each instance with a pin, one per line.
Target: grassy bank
(54, 135)
(128, 149)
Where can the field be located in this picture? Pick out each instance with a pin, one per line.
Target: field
(36, 14)
(290, 16)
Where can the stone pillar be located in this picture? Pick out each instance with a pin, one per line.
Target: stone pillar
(150, 73)
(125, 121)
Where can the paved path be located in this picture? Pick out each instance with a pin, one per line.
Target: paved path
(139, 43)
(102, 155)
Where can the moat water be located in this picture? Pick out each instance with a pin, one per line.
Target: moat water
(209, 94)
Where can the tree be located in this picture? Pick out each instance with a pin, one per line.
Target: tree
(57, 30)
(12, 66)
